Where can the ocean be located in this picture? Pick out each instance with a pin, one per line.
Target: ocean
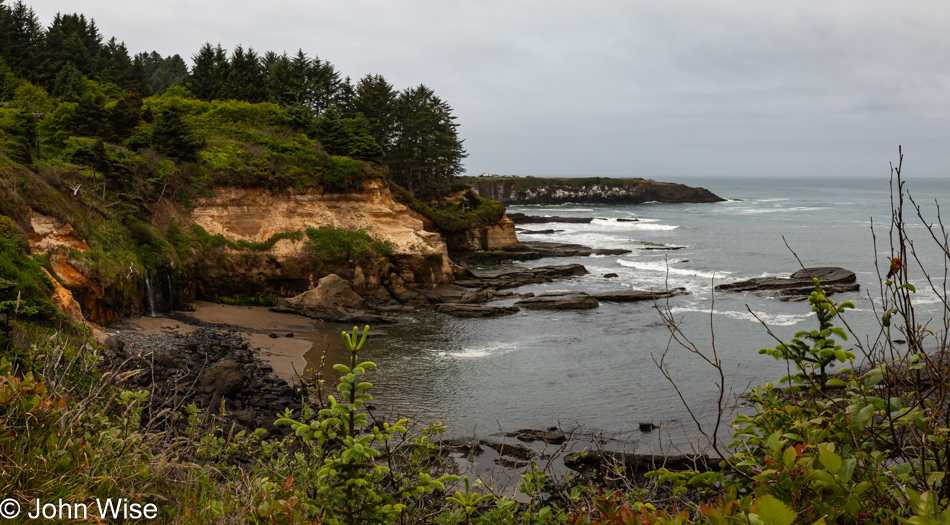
(596, 369)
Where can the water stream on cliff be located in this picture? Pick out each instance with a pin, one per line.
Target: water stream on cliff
(158, 294)
(595, 368)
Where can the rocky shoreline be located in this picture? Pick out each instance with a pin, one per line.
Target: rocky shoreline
(212, 366)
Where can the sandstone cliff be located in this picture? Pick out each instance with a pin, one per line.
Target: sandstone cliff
(419, 257)
(416, 260)
(593, 190)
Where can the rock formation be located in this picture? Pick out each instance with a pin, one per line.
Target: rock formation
(800, 284)
(530, 190)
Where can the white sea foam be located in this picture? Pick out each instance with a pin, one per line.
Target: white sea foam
(776, 209)
(656, 227)
(612, 224)
(663, 268)
(769, 319)
(492, 348)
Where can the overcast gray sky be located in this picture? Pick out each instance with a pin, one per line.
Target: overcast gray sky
(658, 88)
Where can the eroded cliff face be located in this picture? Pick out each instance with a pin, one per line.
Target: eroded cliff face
(420, 258)
(610, 191)
(83, 300)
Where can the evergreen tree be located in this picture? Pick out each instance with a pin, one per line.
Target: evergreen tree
(245, 77)
(171, 136)
(162, 73)
(22, 41)
(68, 84)
(322, 86)
(362, 145)
(114, 65)
(297, 79)
(332, 134)
(427, 153)
(375, 99)
(301, 119)
(90, 118)
(71, 38)
(209, 74)
(8, 81)
(345, 97)
(138, 83)
(124, 116)
(277, 83)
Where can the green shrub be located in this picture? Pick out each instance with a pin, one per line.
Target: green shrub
(342, 173)
(336, 245)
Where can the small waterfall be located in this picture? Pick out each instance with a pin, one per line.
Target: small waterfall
(149, 298)
(158, 295)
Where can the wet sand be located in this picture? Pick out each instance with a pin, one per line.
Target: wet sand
(290, 356)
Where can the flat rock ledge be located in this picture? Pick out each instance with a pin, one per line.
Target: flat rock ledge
(626, 296)
(471, 310)
(557, 249)
(560, 301)
(799, 285)
(520, 218)
(520, 276)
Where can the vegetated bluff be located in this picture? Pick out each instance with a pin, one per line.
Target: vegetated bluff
(588, 190)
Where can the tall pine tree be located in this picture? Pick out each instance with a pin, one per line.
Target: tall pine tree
(209, 74)
(22, 42)
(427, 152)
(375, 99)
(245, 78)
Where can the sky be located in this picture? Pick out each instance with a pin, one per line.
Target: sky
(655, 89)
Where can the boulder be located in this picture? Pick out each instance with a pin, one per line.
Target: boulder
(469, 310)
(625, 296)
(559, 301)
(333, 299)
(226, 377)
